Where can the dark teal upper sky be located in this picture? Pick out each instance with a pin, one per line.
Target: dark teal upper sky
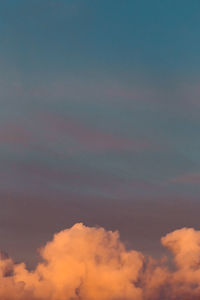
(61, 36)
(99, 119)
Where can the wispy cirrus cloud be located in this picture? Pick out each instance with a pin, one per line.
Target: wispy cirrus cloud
(92, 139)
(15, 134)
(188, 178)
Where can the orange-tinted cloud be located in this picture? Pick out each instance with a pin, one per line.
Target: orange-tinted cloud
(93, 264)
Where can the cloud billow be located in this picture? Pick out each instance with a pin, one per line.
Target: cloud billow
(90, 263)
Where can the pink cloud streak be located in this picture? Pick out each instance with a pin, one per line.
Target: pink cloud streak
(92, 139)
(189, 178)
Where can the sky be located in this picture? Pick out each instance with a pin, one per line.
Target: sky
(99, 121)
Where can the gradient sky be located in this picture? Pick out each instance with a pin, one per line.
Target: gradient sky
(99, 119)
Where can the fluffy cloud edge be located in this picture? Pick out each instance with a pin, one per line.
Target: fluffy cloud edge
(91, 263)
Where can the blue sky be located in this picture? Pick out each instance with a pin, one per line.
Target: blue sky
(99, 118)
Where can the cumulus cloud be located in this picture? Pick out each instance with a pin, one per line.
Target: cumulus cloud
(90, 263)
